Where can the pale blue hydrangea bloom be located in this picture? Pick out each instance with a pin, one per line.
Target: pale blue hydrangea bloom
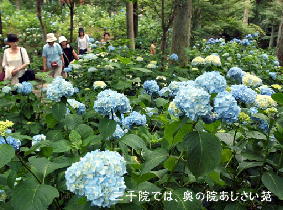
(235, 73)
(24, 88)
(151, 87)
(59, 88)
(6, 89)
(37, 139)
(243, 93)
(273, 75)
(81, 108)
(134, 119)
(111, 48)
(264, 56)
(16, 143)
(109, 101)
(213, 82)
(175, 86)
(99, 177)
(119, 132)
(210, 118)
(92, 69)
(68, 69)
(89, 56)
(264, 90)
(164, 92)
(174, 57)
(193, 102)
(276, 63)
(262, 124)
(225, 105)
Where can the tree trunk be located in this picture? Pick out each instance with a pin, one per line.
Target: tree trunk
(130, 25)
(271, 40)
(39, 16)
(18, 4)
(136, 18)
(182, 29)
(280, 43)
(164, 31)
(246, 12)
(72, 8)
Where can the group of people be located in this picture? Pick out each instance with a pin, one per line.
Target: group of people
(56, 56)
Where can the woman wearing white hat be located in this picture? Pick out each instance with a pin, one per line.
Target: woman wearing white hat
(52, 55)
(69, 53)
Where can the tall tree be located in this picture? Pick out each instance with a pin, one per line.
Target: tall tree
(39, 16)
(136, 17)
(182, 29)
(71, 5)
(247, 5)
(18, 4)
(130, 24)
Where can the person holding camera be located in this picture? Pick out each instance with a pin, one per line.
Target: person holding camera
(52, 55)
(15, 60)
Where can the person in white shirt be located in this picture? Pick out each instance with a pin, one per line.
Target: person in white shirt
(83, 42)
(15, 60)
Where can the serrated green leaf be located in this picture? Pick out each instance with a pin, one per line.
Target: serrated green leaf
(153, 159)
(106, 127)
(59, 111)
(273, 183)
(7, 152)
(133, 141)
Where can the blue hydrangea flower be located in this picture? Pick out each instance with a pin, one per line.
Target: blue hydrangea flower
(175, 86)
(91, 40)
(59, 88)
(119, 132)
(243, 93)
(37, 138)
(262, 124)
(151, 87)
(89, 56)
(16, 143)
(210, 118)
(99, 177)
(235, 40)
(273, 75)
(213, 82)
(276, 63)
(111, 48)
(77, 105)
(6, 89)
(235, 73)
(173, 57)
(135, 118)
(253, 110)
(265, 90)
(24, 88)
(68, 69)
(245, 42)
(164, 92)
(109, 101)
(225, 105)
(264, 56)
(193, 102)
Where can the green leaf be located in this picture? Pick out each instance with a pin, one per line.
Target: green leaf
(142, 70)
(178, 202)
(227, 138)
(161, 102)
(175, 132)
(133, 141)
(60, 146)
(278, 97)
(106, 127)
(245, 165)
(54, 135)
(76, 139)
(44, 166)
(212, 127)
(50, 121)
(255, 135)
(72, 121)
(204, 152)
(84, 130)
(59, 111)
(215, 177)
(153, 159)
(148, 186)
(30, 195)
(170, 163)
(234, 206)
(78, 203)
(273, 183)
(7, 152)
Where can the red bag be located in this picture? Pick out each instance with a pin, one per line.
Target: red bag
(2, 76)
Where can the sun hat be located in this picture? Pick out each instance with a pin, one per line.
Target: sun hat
(51, 37)
(81, 30)
(12, 38)
(62, 39)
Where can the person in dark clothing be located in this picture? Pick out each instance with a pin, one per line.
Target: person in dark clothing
(69, 53)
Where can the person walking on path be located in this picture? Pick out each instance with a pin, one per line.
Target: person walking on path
(83, 42)
(69, 53)
(15, 60)
(52, 55)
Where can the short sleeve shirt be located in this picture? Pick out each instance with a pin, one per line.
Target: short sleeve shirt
(52, 53)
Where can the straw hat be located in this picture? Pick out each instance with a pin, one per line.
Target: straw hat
(62, 39)
(51, 37)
